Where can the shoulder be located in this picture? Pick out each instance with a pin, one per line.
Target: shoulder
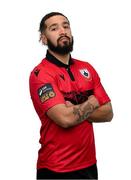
(81, 63)
(86, 68)
(41, 72)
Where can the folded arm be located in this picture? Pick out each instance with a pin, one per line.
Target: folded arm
(102, 114)
(70, 115)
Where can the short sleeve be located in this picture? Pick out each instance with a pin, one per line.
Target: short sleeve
(99, 90)
(45, 94)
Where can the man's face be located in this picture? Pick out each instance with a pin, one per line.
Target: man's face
(57, 35)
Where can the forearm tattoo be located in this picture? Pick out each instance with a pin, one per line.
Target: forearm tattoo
(77, 111)
(83, 114)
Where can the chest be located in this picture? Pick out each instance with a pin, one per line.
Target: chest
(76, 84)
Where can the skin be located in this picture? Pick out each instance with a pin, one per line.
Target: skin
(57, 26)
(69, 115)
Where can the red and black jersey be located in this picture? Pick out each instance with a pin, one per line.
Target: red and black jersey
(52, 83)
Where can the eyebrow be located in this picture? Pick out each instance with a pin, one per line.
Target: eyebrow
(66, 22)
(55, 24)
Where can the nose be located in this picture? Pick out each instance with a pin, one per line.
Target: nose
(62, 31)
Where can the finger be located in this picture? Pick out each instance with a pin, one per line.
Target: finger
(69, 104)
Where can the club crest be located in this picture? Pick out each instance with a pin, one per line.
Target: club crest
(85, 73)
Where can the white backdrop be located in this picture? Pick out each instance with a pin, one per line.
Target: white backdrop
(102, 34)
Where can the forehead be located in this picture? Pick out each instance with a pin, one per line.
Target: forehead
(58, 19)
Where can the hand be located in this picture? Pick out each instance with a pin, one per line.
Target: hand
(93, 101)
(69, 104)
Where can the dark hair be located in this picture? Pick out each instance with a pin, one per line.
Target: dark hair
(47, 16)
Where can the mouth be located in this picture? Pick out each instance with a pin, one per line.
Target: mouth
(64, 38)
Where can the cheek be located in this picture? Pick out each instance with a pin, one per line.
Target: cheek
(69, 33)
(53, 39)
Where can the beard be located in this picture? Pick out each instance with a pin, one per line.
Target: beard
(64, 49)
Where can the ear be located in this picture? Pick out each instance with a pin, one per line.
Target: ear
(43, 39)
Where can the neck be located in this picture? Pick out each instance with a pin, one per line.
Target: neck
(63, 58)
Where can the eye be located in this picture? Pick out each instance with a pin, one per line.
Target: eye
(66, 26)
(53, 29)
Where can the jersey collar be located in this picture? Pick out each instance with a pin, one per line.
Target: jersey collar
(56, 61)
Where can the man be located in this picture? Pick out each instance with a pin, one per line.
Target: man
(68, 97)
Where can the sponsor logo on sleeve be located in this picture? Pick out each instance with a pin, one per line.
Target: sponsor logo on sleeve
(46, 92)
